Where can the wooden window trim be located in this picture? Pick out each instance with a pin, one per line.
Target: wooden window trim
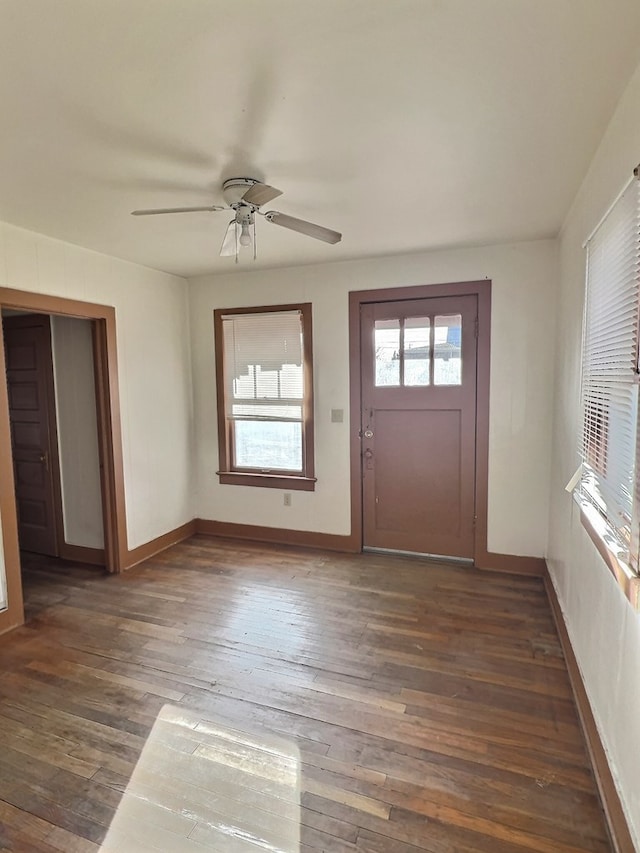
(596, 528)
(292, 482)
(305, 480)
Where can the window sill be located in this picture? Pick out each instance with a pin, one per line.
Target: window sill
(268, 481)
(596, 529)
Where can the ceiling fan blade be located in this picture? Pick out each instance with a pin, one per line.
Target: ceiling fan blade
(260, 194)
(304, 227)
(229, 243)
(156, 210)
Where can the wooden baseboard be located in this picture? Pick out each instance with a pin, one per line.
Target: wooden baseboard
(8, 621)
(82, 554)
(621, 839)
(508, 563)
(511, 564)
(150, 549)
(278, 535)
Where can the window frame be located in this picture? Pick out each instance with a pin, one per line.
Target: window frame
(275, 479)
(620, 556)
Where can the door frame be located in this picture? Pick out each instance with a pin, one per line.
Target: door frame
(103, 319)
(482, 290)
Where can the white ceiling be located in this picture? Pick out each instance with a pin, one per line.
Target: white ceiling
(405, 124)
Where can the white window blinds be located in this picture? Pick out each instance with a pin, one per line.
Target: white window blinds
(264, 389)
(610, 364)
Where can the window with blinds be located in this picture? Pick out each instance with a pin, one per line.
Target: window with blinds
(610, 371)
(265, 387)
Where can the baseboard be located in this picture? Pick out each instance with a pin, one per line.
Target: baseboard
(621, 839)
(511, 564)
(150, 549)
(8, 621)
(508, 563)
(278, 535)
(82, 554)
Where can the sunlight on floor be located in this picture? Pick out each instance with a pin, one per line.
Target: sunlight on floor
(201, 786)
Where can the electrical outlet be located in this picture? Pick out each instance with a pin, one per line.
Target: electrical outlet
(287, 498)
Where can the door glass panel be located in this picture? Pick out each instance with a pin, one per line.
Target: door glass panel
(416, 350)
(447, 356)
(387, 352)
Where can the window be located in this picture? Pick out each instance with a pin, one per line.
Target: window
(265, 396)
(608, 485)
(418, 351)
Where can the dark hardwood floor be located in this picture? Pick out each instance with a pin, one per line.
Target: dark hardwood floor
(235, 697)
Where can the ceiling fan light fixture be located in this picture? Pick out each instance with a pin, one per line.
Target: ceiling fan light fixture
(245, 234)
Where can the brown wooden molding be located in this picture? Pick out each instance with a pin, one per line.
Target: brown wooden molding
(105, 358)
(511, 564)
(150, 549)
(228, 476)
(269, 481)
(109, 438)
(617, 824)
(9, 620)
(508, 563)
(628, 582)
(82, 554)
(278, 535)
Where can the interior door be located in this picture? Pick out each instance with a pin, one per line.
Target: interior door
(418, 364)
(33, 433)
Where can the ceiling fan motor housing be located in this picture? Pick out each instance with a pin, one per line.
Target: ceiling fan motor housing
(234, 189)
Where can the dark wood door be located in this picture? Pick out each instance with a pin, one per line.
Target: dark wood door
(33, 433)
(418, 365)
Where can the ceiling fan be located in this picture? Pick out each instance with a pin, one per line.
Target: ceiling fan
(245, 197)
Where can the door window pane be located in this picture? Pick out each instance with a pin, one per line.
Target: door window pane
(447, 361)
(416, 350)
(387, 352)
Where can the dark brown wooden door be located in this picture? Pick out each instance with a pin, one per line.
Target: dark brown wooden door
(33, 433)
(418, 365)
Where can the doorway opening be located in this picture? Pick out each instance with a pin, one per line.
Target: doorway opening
(36, 463)
(54, 436)
(419, 373)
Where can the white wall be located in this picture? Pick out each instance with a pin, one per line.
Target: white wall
(154, 366)
(75, 394)
(604, 630)
(524, 278)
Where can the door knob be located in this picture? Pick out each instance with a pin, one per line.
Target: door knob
(368, 433)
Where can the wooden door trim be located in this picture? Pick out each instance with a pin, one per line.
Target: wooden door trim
(481, 289)
(109, 440)
(114, 520)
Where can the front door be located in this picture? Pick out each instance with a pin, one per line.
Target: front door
(27, 341)
(418, 427)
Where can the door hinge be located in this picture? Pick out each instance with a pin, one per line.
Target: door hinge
(476, 327)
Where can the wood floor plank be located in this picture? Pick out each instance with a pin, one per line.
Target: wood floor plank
(231, 696)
